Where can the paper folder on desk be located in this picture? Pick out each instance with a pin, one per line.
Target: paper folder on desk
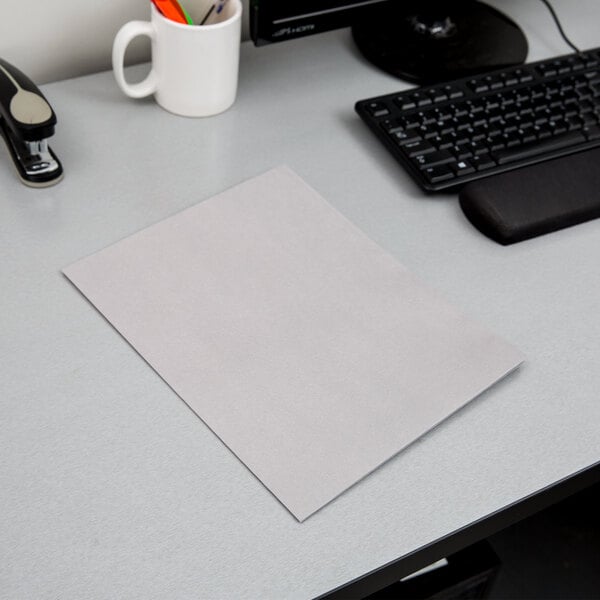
(308, 350)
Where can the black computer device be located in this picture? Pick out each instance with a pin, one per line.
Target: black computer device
(449, 134)
(424, 41)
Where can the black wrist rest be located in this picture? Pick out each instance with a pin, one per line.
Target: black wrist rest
(535, 200)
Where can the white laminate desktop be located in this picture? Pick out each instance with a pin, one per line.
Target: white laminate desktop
(111, 487)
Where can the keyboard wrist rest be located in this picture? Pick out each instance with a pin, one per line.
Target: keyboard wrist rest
(535, 200)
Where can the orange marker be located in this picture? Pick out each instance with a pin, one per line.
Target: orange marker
(171, 10)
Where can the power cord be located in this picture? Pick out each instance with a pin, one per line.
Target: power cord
(560, 29)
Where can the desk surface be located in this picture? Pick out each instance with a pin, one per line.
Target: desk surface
(112, 487)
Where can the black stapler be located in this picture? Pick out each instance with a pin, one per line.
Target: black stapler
(26, 123)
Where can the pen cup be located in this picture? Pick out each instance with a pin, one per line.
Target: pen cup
(194, 67)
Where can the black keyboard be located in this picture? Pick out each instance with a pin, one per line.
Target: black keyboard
(448, 134)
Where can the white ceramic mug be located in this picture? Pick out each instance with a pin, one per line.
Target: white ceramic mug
(194, 67)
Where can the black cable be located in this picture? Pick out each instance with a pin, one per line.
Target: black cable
(560, 29)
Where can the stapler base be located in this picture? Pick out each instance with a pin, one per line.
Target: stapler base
(36, 164)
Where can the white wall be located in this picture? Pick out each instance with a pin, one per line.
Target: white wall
(57, 39)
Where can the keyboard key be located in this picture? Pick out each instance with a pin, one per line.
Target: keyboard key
(403, 137)
(493, 102)
(392, 125)
(476, 107)
(406, 103)
(586, 107)
(538, 92)
(543, 132)
(420, 98)
(513, 140)
(483, 162)
(494, 115)
(433, 159)
(479, 133)
(411, 122)
(574, 123)
(508, 100)
(525, 110)
(571, 111)
(427, 132)
(592, 133)
(438, 96)
(439, 173)
(462, 152)
(478, 86)
(547, 70)
(427, 117)
(444, 114)
(462, 123)
(479, 148)
(453, 92)
(560, 126)
(378, 109)
(463, 167)
(446, 141)
(417, 148)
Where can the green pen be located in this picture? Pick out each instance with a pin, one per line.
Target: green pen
(186, 15)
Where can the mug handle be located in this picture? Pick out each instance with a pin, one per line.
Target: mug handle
(123, 38)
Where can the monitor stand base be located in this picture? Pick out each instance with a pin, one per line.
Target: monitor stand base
(428, 42)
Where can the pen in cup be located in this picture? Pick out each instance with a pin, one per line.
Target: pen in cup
(215, 9)
(172, 9)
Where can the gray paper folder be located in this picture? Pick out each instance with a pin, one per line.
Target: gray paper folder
(308, 350)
